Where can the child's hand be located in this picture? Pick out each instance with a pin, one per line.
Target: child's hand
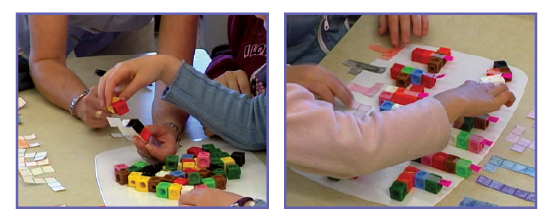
(236, 80)
(208, 197)
(402, 26)
(473, 99)
(321, 82)
(135, 74)
(161, 144)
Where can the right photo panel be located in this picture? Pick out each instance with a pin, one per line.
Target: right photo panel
(410, 110)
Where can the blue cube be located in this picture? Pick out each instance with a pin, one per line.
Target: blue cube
(386, 106)
(178, 173)
(187, 156)
(420, 178)
(416, 76)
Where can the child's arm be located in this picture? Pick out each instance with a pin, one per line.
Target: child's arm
(338, 144)
(220, 64)
(236, 118)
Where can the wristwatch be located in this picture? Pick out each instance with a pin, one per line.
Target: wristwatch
(241, 202)
(255, 202)
(75, 100)
(178, 133)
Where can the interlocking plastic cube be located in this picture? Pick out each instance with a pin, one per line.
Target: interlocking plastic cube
(201, 186)
(234, 172)
(152, 184)
(427, 160)
(209, 182)
(403, 80)
(194, 150)
(162, 189)
(188, 165)
(468, 124)
(410, 169)
(453, 137)
(172, 162)
(118, 106)
(208, 147)
(476, 143)
(214, 164)
(451, 161)
(463, 140)
(122, 176)
(145, 135)
(408, 70)
(420, 178)
(428, 80)
(178, 173)
(398, 190)
(463, 168)
(161, 173)
(186, 156)
(194, 178)
(227, 161)
(239, 158)
(408, 179)
(203, 159)
(396, 70)
(221, 181)
(439, 160)
(168, 178)
(386, 106)
(190, 170)
(435, 64)
(416, 76)
(220, 171)
(385, 96)
(432, 183)
(142, 183)
(417, 88)
(482, 122)
(500, 64)
(417, 55)
(174, 191)
(205, 173)
(181, 181)
(444, 51)
(223, 154)
(186, 189)
(119, 167)
(133, 178)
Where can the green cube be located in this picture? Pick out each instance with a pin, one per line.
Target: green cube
(217, 164)
(141, 164)
(220, 171)
(432, 183)
(135, 169)
(194, 178)
(234, 172)
(216, 150)
(208, 146)
(209, 182)
(468, 124)
(208, 149)
(213, 158)
(224, 154)
(398, 190)
(408, 70)
(463, 140)
(172, 162)
(162, 189)
(463, 168)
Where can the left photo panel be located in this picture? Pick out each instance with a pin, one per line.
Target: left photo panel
(142, 110)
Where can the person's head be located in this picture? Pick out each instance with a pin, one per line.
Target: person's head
(263, 17)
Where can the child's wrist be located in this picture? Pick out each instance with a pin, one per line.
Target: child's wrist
(171, 67)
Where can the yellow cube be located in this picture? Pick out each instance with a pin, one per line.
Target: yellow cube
(180, 166)
(195, 161)
(141, 183)
(227, 161)
(164, 168)
(133, 178)
(110, 109)
(188, 165)
(174, 191)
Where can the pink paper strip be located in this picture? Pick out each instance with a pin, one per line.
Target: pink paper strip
(507, 75)
(475, 168)
(532, 115)
(446, 183)
(441, 76)
(518, 148)
(358, 88)
(423, 95)
(448, 58)
(518, 130)
(513, 138)
(487, 142)
(524, 142)
(493, 119)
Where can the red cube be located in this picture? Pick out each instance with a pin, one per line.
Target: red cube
(410, 169)
(476, 143)
(195, 150)
(417, 88)
(145, 134)
(407, 178)
(396, 70)
(120, 107)
(188, 160)
(405, 98)
(427, 160)
(444, 51)
(439, 160)
(428, 80)
(385, 96)
(190, 170)
(427, 55)
(181, 181)
(417, 55)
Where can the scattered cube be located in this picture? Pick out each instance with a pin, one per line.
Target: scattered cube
(209, 182)
(227, 161)
(239, 158)
(223, 154)
(203, 159)
(201, 186)
(205, 173)
(174, 191)
(161, 173)
(142, 183)
(208, 147)
(178, 173)
(420, 179)
(162, 189)
(234, 172)
(220, 171)
(220, 181)
(463, 168)
(122, 176)
(152, 184)
(181, 181)
(215, 164)
(432, 183)
(463, 140)
(408, 179)
(168, 178)
(194, 178)
(133, 178)
(172, 162)
(188, 165)
(398, 190)
(439, 160)
(186, 189)
(194, 150)
(451, 161)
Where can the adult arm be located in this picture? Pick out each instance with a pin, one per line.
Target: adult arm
(48, 61)
(177, 37)
(234, 117)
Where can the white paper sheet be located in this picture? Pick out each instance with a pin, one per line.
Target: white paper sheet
(252, 182)
(374, 187)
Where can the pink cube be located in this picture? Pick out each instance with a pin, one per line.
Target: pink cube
(119, 167)
(427, 160)
(385, 96)
(202, 186)
(203, 159)
(476, 143)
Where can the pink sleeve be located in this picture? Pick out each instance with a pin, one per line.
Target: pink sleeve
(338, 144)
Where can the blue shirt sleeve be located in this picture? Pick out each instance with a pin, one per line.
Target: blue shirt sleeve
(236, 118)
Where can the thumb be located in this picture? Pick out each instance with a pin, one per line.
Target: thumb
(135, 84)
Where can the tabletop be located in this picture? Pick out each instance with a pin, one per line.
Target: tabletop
(72, 146)
(496, 37)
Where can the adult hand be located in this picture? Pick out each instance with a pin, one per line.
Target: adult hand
(321, 82)
(236, 80)
(473, 99)
(400, 27)
(88, 109)
(161, 144)
(208, 197)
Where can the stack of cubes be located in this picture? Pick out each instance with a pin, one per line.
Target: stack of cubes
(448, 163)
(414, 177)
(406, 76)
(434, 60)
(392, 97)
(464, 139)
(200, 167)
(501, 69)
